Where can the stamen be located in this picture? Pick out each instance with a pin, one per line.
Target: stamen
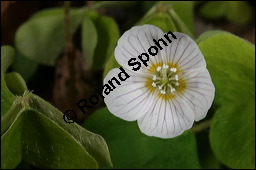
(169, 85)
(173, 69)
(159, 87)
(165, 79)
(176, 77)
(165, 66)
(154, 77)
(173, 90)
(162, 91)
(158, 68)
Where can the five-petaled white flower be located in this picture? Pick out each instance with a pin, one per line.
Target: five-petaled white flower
(169, 94)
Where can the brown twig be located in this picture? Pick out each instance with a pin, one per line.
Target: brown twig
(68, 33)
(5, 5)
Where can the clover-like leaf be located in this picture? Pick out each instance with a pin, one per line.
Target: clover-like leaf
(7, 98)
(42, 37)
(231, 63)
(31, 128)
(100, 35)
(41, 130)
(24, 66)
(238, 12)
(129, 148)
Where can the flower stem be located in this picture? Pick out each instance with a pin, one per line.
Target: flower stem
(201, 126)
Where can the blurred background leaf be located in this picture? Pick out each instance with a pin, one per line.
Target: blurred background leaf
(89, 40)
(7, 57)
(42, 38)
(25, 66)
(99, 38)
(238, 12)
(129, 148)
(16, 83)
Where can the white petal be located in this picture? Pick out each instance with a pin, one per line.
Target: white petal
(199, 91)
(131, 99)
(136, 41)
(184, 52)
(167, 118)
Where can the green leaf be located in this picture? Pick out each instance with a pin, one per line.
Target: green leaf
(42, 37)
(15, 83)
(7, 57)
(209, 34)
(48, 13)
(11, 144)
(214, 9)
(24, 66)
(89, 40)
(239, 12)
(108, 35)
(112, 63)
(231, 63)
(129, 148)
(185, 17)
(232, 135)
(93, 143)
(39, 130)
(205, 153)
(181, 26)
(7, 98)
(45, 140)
(161, 20)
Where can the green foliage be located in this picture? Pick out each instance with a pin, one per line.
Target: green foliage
(237, 12)
(16, 83)
(24, 66)
(7, 57)
(129, 148)
(34, 131)
(111, 63)
(99, 38)
(7, 98)
(163, 21)
(214, 9)
(32, 38)
(231, 64)
(232, 135)
(89, 40)
(207, 159)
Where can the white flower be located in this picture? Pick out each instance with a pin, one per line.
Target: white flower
(167, 93)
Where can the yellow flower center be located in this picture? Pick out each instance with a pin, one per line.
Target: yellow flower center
(165, 80)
